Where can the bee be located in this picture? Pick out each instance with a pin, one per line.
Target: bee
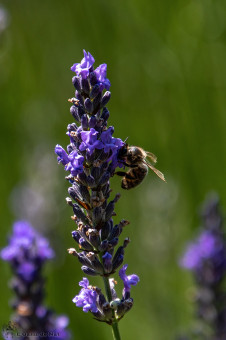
(134, 157)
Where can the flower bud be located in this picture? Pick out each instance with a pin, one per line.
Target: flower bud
(93, 78)
(89, 271)
(85, 86)
(95, 90)
(84, 122)
(88, 105)
(76, 83)
(92, 122)
(105, 99)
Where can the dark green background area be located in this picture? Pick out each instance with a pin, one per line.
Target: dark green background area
(167, 66)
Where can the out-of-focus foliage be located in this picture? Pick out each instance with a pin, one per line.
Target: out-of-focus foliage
(166, 63)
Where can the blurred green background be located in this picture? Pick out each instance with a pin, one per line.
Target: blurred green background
(167, 66)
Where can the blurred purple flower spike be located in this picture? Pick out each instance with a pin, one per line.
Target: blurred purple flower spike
(206, 259)
(27, 253)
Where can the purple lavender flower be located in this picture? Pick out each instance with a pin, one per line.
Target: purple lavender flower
(62, 155)
(90, 141)
(86, 298)
(82, 69)
(25, 240)
(76, 163)
(27, 252)
(206, 259)
(208, 250)
(73, 162)
(92, 157)
(110, 143)
(60, 325)
(130, 280)
(101, 73)
(207, 246)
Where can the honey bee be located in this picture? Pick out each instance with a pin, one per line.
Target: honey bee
(134, 157)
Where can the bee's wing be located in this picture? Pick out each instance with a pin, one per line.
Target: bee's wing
(152, 157)
(156, 171)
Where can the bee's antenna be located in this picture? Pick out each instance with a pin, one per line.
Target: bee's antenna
(126, 139)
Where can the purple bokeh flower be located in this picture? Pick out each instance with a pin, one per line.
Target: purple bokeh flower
(84, 67)
(205, 257)
(191, 258)
(60, 327)
(27, 252)
(130, 280)
(26, 246)
(27, 270)
(86, 298)
(206, 247)
(101, 73)
(90, 141)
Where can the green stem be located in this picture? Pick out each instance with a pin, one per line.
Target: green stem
(115, 329)
(107, 288)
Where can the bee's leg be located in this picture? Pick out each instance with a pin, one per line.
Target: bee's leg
(124, 174)
(120, 173)
(130, 165)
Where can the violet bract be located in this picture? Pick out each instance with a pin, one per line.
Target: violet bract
(91, 159)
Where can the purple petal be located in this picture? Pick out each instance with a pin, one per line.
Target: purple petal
(62, 155)
(101, 73)
(84, 283)
(84, 67)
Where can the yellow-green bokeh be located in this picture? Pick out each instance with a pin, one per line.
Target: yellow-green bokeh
(167, 66)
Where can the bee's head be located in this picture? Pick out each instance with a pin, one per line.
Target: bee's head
(123, 152)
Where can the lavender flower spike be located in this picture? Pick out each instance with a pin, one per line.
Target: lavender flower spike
(27, 252)
(97, 155)
(206, 259)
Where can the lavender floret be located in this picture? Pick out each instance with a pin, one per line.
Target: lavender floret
(82, 69)
(86, 298)
(101, 74)
(27, 249)
(130, 280)
(90, 141)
